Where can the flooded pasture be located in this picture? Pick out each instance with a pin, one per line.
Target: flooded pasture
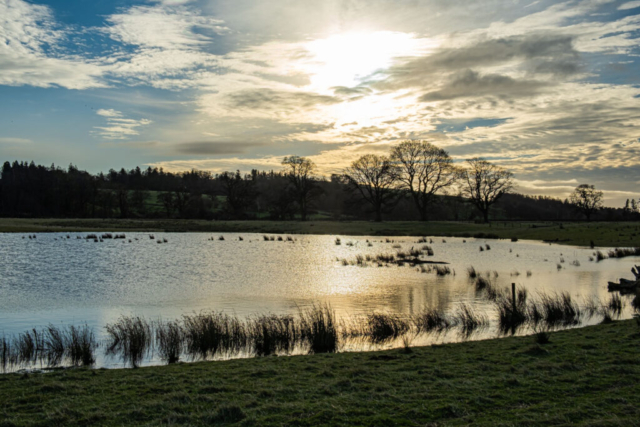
(65, 279)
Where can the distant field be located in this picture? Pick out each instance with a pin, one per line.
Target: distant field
(586, 376)
(623, 234)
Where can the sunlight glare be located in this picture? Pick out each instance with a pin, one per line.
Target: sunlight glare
(348, 59)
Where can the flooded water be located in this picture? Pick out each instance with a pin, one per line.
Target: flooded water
(66, 279)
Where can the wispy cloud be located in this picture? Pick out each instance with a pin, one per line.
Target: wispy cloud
(118, 127)
(29, 55)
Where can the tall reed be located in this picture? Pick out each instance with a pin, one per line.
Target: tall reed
(318, 329)
(130, 337)
(385, 327)
(169, 340)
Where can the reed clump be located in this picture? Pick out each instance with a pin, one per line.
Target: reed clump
(442, 270)
(81, 345)
(318, 329)
(559, 310)
(430, 320)
(624, 252)
(209, 334)
(272, 334)
(385, 327)
(131, 338)
(469, 320)
(169, 340)
(511, 316)
(472, 273)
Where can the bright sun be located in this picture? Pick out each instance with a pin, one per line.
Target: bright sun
(347, 59)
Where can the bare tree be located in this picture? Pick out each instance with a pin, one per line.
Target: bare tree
(484, 183)
(239, 192)
(424, 170)
(374, 177)
(586, 199)
(300, 171)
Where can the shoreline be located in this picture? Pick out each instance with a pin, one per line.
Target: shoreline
(602, 234)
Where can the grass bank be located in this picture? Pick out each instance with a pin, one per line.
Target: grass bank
(623, 234)
(582, 376)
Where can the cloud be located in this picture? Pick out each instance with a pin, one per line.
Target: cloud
(269, 99)
(529, 52)
(29, 51)
(469, 84)
(108, 113)
(9, 140)
(629, 5)
(221, 165)
(214, 147)
(118, 127)
(162, 27)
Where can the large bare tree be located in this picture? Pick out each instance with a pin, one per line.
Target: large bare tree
(301, 174)
(374, 178)
(484, 183)
(586, 199)
(423, 170)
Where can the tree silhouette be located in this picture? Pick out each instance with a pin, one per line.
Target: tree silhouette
(300, 171)
(586, 199)
(374, 178)
(484, 183)
(423, 170)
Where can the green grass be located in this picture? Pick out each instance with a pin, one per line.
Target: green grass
(582, 376)
(622, 234)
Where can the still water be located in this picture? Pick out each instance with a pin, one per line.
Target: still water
(66, 279)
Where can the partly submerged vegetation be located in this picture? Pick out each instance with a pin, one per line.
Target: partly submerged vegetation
(212, 335)
(587, 375)
(600, 234)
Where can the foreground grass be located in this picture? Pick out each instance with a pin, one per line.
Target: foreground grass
(583, 376)
(623, 234)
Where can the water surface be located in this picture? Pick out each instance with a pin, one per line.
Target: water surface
(64, 278)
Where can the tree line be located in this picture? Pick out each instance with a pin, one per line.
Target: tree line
(416, 181)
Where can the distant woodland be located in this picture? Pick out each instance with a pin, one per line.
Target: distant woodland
(30, 190)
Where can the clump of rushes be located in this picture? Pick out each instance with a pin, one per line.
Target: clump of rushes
(27, 346)
(442, 270)
(209, 334)
(385, 327)
(318, 329)
(169, 340)
(131, 338)
(81, 345)
(624, 252)
(272, 334)
(469, 320)
(559, 310)
(512, 316)
(431, 319)
(54, 345)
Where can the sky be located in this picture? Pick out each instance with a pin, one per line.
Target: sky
(548, 89)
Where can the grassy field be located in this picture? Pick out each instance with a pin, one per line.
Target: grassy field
(623, 234)
(582, 376)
